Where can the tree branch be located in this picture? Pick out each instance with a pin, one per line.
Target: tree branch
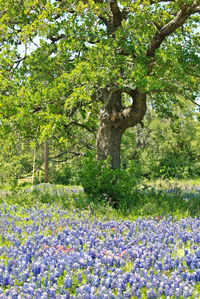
(55, 39)
(168, 90)
(157, 1)
(195, 103)
(73, 155)
(197, 9)
(79, 125)
(36, 109)
(117, 15)
(170, 27)
(17, 62)
(130, 116)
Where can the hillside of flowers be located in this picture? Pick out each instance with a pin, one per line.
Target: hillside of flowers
(49, 252)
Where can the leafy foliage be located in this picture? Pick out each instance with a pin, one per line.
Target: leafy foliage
(167, 146)
(57, 57)
(116, 186)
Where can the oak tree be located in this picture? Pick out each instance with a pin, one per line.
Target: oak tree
(93, 65)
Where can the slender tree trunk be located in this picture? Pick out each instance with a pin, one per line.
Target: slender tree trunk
(46, 162)
(34, 158)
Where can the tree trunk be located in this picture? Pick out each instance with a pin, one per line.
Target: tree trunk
(115, 119)
(108, 143)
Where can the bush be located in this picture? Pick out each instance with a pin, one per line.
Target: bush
(115, 186)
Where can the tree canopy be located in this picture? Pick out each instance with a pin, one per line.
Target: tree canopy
(93, 65)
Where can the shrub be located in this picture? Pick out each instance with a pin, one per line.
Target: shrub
(115, 186)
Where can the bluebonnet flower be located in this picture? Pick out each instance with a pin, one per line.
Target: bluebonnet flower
(151, 294)
(79, 277)
(67, 282)
(6, 279)
(36, 268)
(137, 256)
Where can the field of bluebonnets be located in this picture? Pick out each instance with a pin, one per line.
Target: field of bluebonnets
(64, 247)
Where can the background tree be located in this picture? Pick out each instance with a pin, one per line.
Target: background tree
(92, 55)
(167, 146)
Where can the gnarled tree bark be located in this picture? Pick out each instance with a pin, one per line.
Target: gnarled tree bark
(115, 119)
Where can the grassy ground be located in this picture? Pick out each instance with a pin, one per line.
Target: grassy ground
(159, 183)
(166, 184)
(155, 199)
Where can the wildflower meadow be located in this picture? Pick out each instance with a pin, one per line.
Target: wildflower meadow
(47, 251)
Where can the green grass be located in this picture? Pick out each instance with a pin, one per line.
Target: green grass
(181, 183)
(149, 202)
